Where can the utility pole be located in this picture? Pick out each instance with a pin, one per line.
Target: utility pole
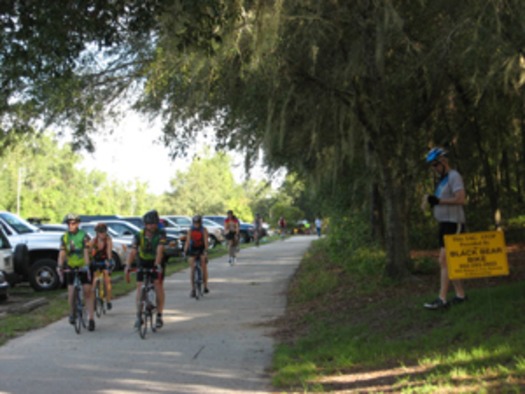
(19, 190)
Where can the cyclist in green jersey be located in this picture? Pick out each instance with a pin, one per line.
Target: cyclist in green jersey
(149, 246)
(74, 248)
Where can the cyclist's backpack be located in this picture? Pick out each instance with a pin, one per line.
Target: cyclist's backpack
(196, 238)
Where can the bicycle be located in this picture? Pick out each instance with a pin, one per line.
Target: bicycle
(148, 300)
(80, 309)
(198, 277)
(100, 290)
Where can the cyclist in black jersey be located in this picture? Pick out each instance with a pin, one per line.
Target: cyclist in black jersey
(149, 245)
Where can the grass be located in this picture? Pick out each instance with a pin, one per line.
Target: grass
(13, 325)
(348, 329)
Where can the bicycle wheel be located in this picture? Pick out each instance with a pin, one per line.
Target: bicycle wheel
(103, 296)
(99, 304)
(197, 283)
(78, 310)
(143, 328)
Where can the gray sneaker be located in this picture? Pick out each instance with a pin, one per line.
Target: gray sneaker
(159, 323)
(138, 323)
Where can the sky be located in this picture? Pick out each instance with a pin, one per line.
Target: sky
(133, 152)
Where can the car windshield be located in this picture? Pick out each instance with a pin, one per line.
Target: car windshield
(123, 228)
(18, 224)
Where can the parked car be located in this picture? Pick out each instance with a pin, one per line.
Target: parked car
(136, 220)
(6, 265)
(183, 221)
(125, 229)
(4, 287)
(35, 252)
(120, 244)
(215, 231)
(246, 229)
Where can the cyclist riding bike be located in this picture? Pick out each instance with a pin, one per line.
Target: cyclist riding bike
(232, 234)
(74, 248)
(149, 244)
(197, 246)
(101, 249)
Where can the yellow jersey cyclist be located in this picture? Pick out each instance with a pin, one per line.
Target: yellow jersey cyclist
(74, 248)
(197, 245)
(101, 249)
(149, 244)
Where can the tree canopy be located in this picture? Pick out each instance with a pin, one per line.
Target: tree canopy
(348, 95)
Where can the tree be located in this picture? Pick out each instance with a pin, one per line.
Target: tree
(325, 89)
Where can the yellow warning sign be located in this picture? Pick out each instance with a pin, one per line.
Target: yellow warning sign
(476, 255)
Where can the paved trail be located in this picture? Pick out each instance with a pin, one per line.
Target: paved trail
(220, 344)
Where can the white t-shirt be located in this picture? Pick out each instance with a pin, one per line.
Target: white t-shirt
(447, 188)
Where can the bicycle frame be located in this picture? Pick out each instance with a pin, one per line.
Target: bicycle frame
(100, 292)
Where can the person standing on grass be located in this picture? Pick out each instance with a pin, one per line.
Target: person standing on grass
(447, 206)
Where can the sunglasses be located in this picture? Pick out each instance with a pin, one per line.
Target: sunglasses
(436, 163)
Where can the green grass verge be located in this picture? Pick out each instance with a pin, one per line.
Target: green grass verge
(346, 335)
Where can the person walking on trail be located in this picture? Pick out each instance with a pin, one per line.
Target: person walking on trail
(149, 244)
(74, 248)
(318, 225)
(257, 228)
(282, 226)
(232, 230)
(101, 247)
(197, 246)
(447, 206)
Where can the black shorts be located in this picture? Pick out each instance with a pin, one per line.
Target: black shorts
(148, 265)
(85, 277)
(446, 228)
(195, 252)
(230, 235)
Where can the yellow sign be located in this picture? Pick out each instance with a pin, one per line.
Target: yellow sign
(476, 255)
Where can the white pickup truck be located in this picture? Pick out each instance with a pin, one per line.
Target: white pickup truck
(35, 253)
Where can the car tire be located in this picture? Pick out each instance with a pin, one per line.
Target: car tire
(245, 237)
(21, 259)
(212, 242)
(43, 275)
(118, 263)
(4, 297)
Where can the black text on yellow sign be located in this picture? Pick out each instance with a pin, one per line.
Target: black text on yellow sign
(476, 255)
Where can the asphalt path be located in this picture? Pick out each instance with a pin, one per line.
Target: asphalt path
(219, 344)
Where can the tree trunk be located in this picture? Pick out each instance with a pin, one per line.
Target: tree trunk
(396, 224)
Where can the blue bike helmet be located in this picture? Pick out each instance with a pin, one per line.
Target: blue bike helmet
(434, 154)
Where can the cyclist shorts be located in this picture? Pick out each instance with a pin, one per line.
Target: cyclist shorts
(146, 264)
(97, 265)
(83, 275)
(446, 228)
(230, 235)
(195, 252)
